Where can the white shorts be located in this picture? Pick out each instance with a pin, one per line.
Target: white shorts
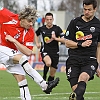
(16, 69)
(6, 55)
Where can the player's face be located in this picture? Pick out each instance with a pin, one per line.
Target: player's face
(26, 23)
(49, 21)
(88, 11)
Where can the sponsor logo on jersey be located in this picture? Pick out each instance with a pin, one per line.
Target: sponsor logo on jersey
(47, 39)
(80, 36)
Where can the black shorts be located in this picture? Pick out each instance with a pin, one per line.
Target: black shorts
(76, 65)
(54, 58)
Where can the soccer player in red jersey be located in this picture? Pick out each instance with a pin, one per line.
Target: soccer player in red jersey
(17, 37)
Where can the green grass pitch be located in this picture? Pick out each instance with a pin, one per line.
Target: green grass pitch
(9, 89)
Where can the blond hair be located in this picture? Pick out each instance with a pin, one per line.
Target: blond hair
(28, 13)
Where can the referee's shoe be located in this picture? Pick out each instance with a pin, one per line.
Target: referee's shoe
(72, 96)
(51, 85)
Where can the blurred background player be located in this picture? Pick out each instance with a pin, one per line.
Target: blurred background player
(17, 37)
(51, 35)
(43, 20)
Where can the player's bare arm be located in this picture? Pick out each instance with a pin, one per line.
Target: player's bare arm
(98, 59)
(37, 41)
(20, 46)
(71, 44)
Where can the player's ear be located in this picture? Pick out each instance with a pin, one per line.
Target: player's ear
(95, 9)
(53, 19)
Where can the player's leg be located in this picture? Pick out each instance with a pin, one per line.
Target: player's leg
(72, 72)
(87, 74)
(23, 86)
(8, 55)
(53, 68)
(17, 71)
(47, 61)
(52, 74)
(45, 71)
(35, 75)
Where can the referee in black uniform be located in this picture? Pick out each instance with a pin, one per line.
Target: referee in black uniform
(82, 39)
(51, 35)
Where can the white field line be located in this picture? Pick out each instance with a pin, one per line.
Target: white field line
(45, 96)
(64, 93)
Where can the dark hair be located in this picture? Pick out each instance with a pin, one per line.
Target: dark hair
(48, 14)
(88, 2)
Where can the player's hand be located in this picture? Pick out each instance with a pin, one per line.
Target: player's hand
(38, 45)
(98, 72)
(10, 38)
(87, 43)
(53, 36)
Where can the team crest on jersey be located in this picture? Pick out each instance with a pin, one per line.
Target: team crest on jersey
(17, 36)
(92, 29)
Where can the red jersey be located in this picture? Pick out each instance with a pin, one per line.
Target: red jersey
(10, 25)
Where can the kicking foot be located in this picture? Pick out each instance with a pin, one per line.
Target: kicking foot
(51, 85)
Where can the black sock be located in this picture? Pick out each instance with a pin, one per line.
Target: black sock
(50, 78)
(80, 90)
(45, 71)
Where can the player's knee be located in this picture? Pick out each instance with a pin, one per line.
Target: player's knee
(23, 60)
(22, 83)
(48, 64)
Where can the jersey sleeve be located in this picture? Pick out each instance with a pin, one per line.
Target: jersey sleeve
(61, 34)
(99, 38)
(70, 32)
(5, 15)
(38, 31)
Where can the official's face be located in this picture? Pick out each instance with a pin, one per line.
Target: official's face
(88, 11)
(49, 21)
(25, 23)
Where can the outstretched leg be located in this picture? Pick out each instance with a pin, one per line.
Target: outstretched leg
(37, 77)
